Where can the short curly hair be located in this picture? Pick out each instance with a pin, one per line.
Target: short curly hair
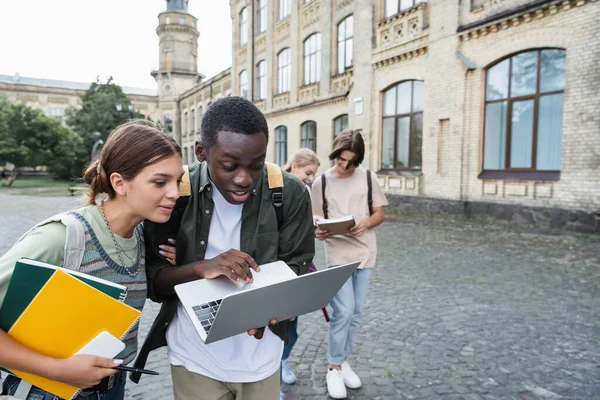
(231, 114)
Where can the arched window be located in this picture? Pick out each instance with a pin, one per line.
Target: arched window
(244, 26)
(261, 80)
(339, 124)
(284, 71)
(524, 97)
(308, 138)
(244, 84)
(402, 126)
(345, 44)
(261, 16)
(312, 59)
(280, 145)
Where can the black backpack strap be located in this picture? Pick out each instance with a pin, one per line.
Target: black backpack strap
(369, 192)
(275, 180)
(323, 184)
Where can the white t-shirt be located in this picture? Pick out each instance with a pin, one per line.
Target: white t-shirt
(240, 358)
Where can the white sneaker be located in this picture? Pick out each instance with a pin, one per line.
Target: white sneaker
(287, 375)
(335, 384)
(351, 380)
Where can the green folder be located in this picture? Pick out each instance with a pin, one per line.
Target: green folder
(30, 276)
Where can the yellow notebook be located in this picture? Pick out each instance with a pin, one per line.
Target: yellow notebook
(65, 316)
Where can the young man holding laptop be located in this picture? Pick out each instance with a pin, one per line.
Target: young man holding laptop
(228, 227)
(345, 192)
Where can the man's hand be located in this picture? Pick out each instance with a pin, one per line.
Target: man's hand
(233, 264)
(84, 371)
(259, 332)
(360, 227)
(322, 234)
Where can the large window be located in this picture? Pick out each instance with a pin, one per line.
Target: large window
(345, 44)
(284, 70)
(261, 80)
(524, 112)
(308, 138)
(395, 6)
(402, 126)
(261, 16)
(186, 123)
(312, 59)
(243, 26)
(199, 119)
(244, 84)
(169, 122)
(280, 145)
(339, 124)
(285, 8)
(193, 114)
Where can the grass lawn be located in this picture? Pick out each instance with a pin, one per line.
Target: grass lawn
(39, 186)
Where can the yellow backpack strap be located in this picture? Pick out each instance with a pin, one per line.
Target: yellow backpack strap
(185, 187)
(275, 178)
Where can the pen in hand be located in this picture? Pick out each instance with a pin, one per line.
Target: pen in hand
(139, 370)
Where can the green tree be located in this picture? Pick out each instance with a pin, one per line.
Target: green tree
(104, 106)
(28, 138)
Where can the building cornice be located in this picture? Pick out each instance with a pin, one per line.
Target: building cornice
(316, 104)
(398, 58)
(517, 16)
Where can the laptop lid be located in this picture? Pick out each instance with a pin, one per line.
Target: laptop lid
(255, 307)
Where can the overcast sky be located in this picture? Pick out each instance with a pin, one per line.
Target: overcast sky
(77, 40)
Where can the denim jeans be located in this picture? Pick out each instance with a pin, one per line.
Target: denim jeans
(117, 392)
(348, 305)
(293, 337)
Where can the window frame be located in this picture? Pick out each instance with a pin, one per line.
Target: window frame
(312, 47)
(284, 72)
(306, 141)
(193, 116)
(261, 16)
(243, 83)
(243, 26)
(284, 6)
(411, 115)
(281, 145)
(341, 45)
(261, 80)
(186, 123)
(519, 173)
(341, 118)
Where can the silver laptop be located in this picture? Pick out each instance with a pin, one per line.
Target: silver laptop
(219, 309)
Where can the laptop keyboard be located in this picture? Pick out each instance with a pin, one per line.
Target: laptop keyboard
(206, 313)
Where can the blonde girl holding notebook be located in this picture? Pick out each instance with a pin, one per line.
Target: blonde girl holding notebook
(138, 174)
(303, 164)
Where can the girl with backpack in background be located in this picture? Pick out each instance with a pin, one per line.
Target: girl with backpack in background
(139, 170)
(303, 164)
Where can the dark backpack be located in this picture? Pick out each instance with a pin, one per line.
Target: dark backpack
(369, 194)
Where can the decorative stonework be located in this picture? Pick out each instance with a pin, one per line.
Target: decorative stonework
(531, 190)
(281, 100)
(27, 97)
(314, 104)
(402, 27)
(308, 93)
(522, 18)
(243, 54)
(58, 99)
(343, 3)
(407, 185)
(342, 82)
(282, 30)
(261, 104)
(260, 43)
(311, 13)
(401, 57)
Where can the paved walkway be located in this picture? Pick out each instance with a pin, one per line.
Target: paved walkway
(454, 312)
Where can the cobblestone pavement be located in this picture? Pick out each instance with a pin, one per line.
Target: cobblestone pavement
(455, 311)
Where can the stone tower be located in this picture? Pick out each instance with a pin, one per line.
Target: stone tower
(178, 51)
